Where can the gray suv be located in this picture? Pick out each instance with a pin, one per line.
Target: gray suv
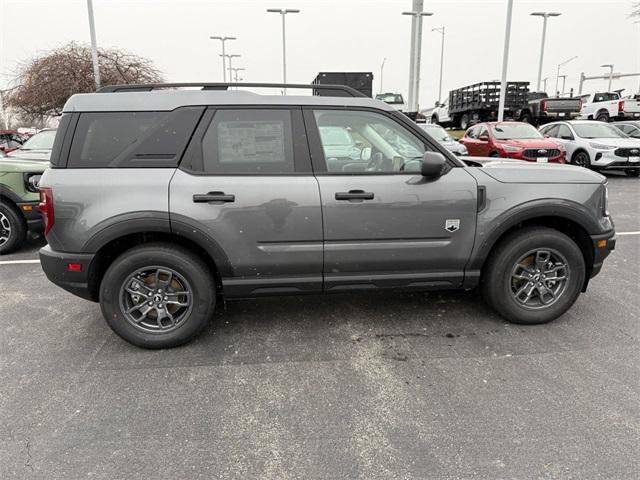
(160, 202)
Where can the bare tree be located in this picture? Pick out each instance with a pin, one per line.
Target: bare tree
(635, 9)
(43, 84)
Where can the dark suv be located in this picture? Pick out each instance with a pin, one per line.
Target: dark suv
(162, 201)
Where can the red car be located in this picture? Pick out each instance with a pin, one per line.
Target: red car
(512, 140)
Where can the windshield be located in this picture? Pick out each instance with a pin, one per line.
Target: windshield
(514, 131)
(597, 130)
(335, 136)
(390, 98)
(40, 141)
(437, 132)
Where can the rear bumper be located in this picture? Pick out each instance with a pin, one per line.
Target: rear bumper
(56, 267)
(603, 245)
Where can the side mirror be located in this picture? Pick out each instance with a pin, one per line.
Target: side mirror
(546, 135)
(365, 154)
(433, 164)
(437, 104)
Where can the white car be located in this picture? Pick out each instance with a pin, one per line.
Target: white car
(607, 106)
(393, 99)
(439, 114)
(596, 145)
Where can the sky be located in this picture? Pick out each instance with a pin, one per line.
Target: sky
(333, 35)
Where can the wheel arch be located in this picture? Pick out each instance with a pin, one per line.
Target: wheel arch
(580, 150)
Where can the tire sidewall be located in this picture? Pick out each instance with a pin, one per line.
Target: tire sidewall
(587, 160)
(18, 229)
(511, 252)
(196, 274)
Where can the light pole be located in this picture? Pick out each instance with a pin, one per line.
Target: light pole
(416, 47)
(610, 67)
(544, 82)
(235, 73)
(283, 13)
(564, 79)
(505, 62)
(381, 72)
(440, 30)
(545, 16)
(230, 56)
(224, 68)
(94, 45)
(560, 65)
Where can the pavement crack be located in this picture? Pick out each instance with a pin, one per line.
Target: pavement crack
(28, 464)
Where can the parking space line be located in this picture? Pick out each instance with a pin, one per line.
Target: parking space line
(627, 233)
(17, 262)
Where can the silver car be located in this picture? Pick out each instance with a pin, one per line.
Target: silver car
(441, 136)
(596, 145)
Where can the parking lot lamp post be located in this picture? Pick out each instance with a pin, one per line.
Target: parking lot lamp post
(230, 57)
(561, 65)
(381, 72)
(544, 84)
(564, 79)
(505, 62)
(441, 31)
(224, 67)
(283, 13)
(94, 45)
(545, 16)
(610, 67)
(416, 48)
(235, 73)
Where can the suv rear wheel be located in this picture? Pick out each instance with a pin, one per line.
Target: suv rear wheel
(533, 276)
(157, 296)
(13, 229)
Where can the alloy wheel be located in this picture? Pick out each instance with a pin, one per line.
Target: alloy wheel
(539, 278)
(156, 299)
(5, 229)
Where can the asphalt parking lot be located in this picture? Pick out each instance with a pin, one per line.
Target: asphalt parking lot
(410, 386)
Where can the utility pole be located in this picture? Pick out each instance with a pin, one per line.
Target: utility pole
(94, 45)
(416, 47)
(610, 67)
(224, 68)
(440, 30)
(545, 16)
(381, 72)
(505, 62)
(283, 13)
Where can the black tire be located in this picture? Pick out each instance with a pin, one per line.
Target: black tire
(581, 159)
(498, 285)
(602, 117)
(494, 155)
(434, 120)
(527, 118)
(189, 273)
(464, 122)
(632, 173)
(13, 228)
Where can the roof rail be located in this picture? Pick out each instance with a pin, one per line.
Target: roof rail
(147, 87)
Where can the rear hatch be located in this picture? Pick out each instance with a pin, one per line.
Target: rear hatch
(632, 106)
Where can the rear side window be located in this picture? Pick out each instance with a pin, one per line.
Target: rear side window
(249, 141)
(132, 139)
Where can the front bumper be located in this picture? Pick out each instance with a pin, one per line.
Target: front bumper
(32, 214)
(608, 160)
(56, 267)
(603, 245)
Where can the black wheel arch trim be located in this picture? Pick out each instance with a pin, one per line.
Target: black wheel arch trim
(10, 194)
(553, 207)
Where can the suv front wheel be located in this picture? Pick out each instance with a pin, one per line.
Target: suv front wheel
(533, 276)
(157, 296)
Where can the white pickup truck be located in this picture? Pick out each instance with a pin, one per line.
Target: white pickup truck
(439, 114)
(607, 106)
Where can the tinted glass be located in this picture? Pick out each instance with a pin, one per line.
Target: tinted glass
(381, 144)
(563, 132)
(597, 130)
(40, 141)
(436, 132)
(605, 97)
(132, 139)
(550, 130)
(249, 142)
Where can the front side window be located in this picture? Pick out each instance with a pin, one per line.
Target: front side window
(550, 130)
(564, 132)
(597, 130)
(249, 142)
(381, 145)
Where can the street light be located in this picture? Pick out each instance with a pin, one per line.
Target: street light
(416, 46)
(230, 57)
(440, 30)
(381, 71)
(545, 16)
(235, 73)
(224, 68)
(283, 13)
(94, 45)
(610, 67)
(564, 79)
(560, 65)
(544, 82)
(505, 62)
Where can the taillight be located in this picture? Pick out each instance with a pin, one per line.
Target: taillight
(46, 208)
(621, 106)
(543, 105)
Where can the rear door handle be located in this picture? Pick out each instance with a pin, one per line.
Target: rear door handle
(354, 195)
(213, 197)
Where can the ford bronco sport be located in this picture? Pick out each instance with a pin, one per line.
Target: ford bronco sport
(161, 201)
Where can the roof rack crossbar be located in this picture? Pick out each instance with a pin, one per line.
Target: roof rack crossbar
(147, 87)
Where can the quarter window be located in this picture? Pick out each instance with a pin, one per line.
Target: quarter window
(376, 144)
(249, 141)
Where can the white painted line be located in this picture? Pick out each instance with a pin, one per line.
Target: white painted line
(17, 262)
(627, 233)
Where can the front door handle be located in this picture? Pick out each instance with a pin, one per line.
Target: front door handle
(213, 197)
(354, 195)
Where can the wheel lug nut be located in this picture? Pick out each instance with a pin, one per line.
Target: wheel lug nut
(166, 298)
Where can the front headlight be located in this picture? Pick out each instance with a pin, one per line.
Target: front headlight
(511, 148)
(31, 182)
(600, 146)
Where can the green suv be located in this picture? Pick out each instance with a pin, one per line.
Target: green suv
(19, 199)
